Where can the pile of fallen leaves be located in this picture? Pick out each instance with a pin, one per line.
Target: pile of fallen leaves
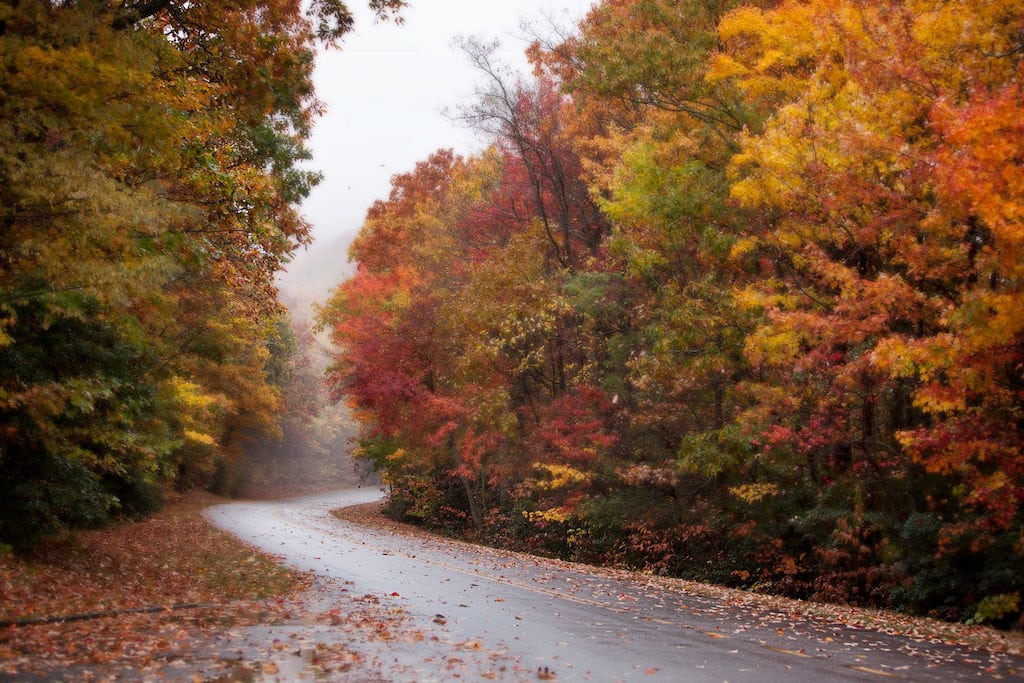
(134, 593)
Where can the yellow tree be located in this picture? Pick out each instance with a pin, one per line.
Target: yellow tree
(889, 192)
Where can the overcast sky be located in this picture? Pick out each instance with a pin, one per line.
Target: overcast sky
(385, 90)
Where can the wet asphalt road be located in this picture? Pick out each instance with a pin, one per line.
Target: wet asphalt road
(583, 624)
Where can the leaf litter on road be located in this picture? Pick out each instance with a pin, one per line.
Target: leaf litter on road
(770, 619)
(223, 613)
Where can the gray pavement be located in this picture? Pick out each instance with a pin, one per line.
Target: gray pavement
(525, 618)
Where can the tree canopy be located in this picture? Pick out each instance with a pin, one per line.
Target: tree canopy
(150, 166)
(733, 294)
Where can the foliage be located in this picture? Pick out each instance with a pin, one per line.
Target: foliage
(883, 254)
(734, 294)
(149, 167)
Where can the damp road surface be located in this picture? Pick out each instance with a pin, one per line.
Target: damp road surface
(547, 620)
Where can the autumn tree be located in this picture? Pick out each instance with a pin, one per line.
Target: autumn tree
(455, 329)
(732, 295)
(382, 320)
(150, 170)
(889, 323)
(655, 137)
(528, 122)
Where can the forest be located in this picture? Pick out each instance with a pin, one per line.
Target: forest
(150, 168)
(735, 293)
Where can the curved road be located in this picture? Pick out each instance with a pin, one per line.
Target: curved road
(549, 620)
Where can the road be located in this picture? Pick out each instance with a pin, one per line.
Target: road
(525, 618)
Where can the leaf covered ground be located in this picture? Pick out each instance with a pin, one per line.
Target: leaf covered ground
(140, 594)
(173, 598)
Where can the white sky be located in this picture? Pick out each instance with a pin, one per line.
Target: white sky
(385, 90)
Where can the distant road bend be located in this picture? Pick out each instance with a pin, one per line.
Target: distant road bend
(587, 624)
